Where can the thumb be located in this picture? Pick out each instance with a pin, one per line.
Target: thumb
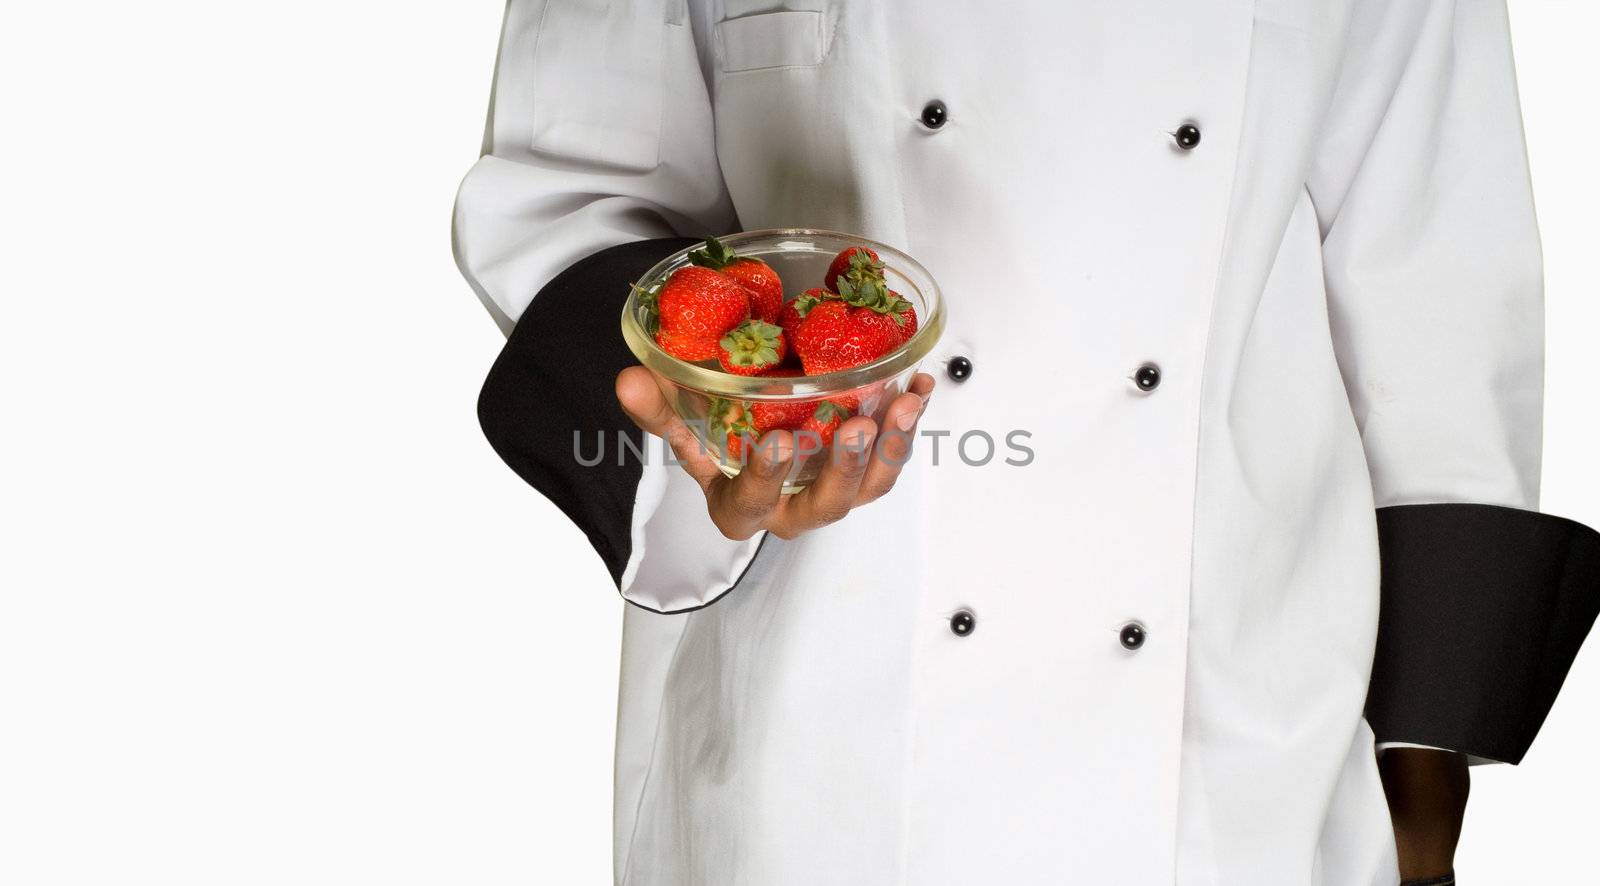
(642, 400)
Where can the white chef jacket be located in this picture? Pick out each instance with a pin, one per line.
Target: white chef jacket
(1340, 285)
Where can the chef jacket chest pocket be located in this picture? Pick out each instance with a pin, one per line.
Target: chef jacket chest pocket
(599, 76)
(773, 40)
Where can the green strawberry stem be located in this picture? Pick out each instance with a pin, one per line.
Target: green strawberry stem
(717, 420)
(717, 410)
(862, 264)
(872, 293)
(650, 303)
(715, 255)
(827, 409)
(752, 343)
(803, 303)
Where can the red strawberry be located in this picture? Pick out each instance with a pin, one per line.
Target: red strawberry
(751, 348)
(908, 318)
(836, 336)
(739, 426)
(824, 421)
(783, 414)
(738, 438)
(728, 423)
(858, 258)
(860, 282)
(871, 292)
(766, 290)
(684, 347)
(795, 311)
(695, 307)
(776, 415)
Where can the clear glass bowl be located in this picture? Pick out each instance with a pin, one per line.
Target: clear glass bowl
(705, 397)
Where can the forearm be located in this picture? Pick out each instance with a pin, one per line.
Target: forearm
(1427, 793)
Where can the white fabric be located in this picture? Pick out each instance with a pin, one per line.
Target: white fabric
(1341, 285)
(599, 42)
(775, 40)
(669, 518)
(1471, 759)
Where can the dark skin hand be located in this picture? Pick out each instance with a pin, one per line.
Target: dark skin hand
(1427, 793)
(754, 501)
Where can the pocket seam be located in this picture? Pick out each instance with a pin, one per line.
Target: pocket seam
(823, 32)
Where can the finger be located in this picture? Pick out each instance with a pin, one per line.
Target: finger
(921, 385)
(740, 507)
(893, 448)
(641, 398)
(830, 497)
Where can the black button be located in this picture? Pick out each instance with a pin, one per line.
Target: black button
(1187, 136)
(1132, 636)
(962, 623)
(934, 114)
(1147, 377)
(959, 369)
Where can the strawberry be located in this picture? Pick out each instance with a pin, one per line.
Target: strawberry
(694, 350)
(694, 308)
(795, 311)
(858, 277)
(856, 258)
(738, 439)
(824, 421)
(834, 335)
(871, 291)
(751, 348)
(908, 318)
(728, 422)
(766, 290)
(780, 415)
(740, 426)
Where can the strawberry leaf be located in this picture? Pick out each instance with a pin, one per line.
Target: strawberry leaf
(727, 414)
(863, 264)
(868, 292)
(715, 255)
(827, 410)
(752, 343)
(804, 302)
(650, 303)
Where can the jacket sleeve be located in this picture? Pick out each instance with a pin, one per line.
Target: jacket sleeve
(599, 151)
(1433, 274)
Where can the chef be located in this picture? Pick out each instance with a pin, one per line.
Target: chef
(1261, 280)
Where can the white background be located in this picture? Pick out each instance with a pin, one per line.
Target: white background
(273, 612)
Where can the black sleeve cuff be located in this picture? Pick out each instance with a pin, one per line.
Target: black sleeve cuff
(1484, 609)
(556, 377)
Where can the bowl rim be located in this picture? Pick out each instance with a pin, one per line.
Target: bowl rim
(726, 384)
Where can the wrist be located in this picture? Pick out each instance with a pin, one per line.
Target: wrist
(1427, 794)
